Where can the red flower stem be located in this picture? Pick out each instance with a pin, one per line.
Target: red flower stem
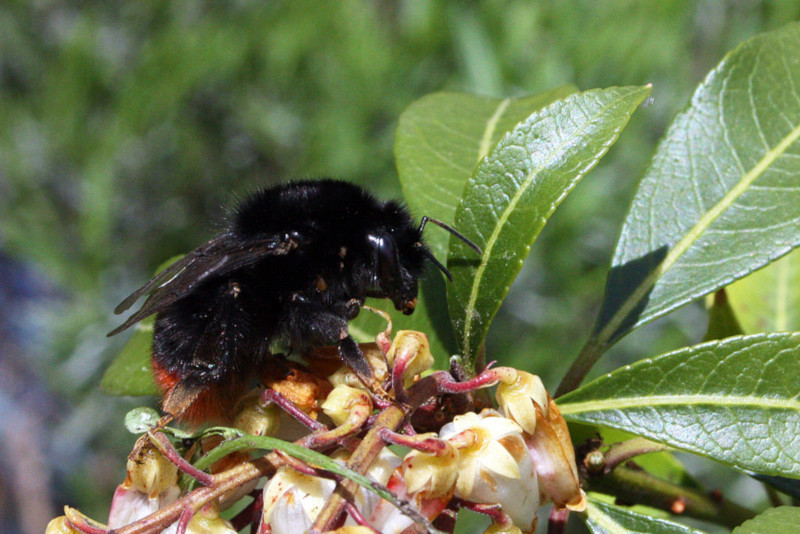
(427, 445)
(358, 517)
(557, 522)
(270, 395)
(183, 522)
(165, 447)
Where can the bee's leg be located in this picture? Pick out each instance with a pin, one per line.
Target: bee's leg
(355, 360)
(310, 322)
(358, 363)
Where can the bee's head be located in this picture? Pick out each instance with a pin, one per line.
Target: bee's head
(399, 256)
(397, 267)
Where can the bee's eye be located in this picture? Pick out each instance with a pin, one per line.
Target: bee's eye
(388, 260)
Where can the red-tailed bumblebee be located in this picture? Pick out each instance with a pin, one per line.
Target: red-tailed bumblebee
(293, 266)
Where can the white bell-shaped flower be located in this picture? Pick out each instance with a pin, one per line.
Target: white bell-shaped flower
(494, 465)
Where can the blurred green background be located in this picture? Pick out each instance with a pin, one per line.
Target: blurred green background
(127, 127)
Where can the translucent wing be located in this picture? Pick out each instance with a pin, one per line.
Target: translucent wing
(219, 256)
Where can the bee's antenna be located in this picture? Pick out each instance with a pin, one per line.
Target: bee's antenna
(428, 254)
(462, 237)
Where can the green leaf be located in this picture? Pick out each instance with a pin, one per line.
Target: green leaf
(768, 300)
(516, 188)
(774, 520)
(734, 400)
(604, 518)
(440, 139)
(131, 373)
(721, 197)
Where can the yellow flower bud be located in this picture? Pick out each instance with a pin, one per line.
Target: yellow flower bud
(550, 447)
(494, 528)
(432, 475)
(518, 399)
(208, 521)
(151, 473)
(82, 522)
(59, 525)
(257, 419)
(341, 402)
(414, 348)
(376, 360)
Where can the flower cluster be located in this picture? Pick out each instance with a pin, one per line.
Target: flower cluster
(504, 462)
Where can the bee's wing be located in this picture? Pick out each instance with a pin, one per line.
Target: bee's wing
(219, 256)
(216, 340)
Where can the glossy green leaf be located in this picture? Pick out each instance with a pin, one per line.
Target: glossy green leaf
(440, 139)
(769, 299)
(516, 188)
(604, 518)
(773, 521)
(734, 400)
(131, 373)
(721, 197)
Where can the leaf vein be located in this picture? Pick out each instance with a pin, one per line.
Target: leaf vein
(491, 126)
(680, 248)
(645, 401)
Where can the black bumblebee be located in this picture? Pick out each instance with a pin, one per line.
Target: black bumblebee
(292, 268)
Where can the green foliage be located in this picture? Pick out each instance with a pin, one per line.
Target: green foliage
(719, 199)
(131, 373)
(733, 400)
(722, 320)
(604, 518)
(514, 190)
(780, 519)
(768, 300)
(440, 140)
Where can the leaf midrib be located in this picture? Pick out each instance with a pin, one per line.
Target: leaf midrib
(605, 521)
(572, 408)
(491, 126)
(499, 225)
